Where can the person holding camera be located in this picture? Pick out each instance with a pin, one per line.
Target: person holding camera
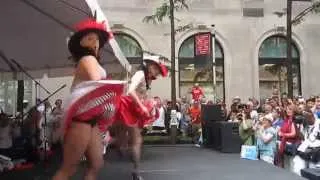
(246, 130)
(311, 134)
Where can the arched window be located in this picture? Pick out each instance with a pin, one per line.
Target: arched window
(130, 47)
(189, 74)
(272, 67)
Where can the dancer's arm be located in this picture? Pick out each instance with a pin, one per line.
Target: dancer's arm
(137, 78)
(87, 68)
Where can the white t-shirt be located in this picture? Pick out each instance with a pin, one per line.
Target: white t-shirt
(160, 121)
(254, 115)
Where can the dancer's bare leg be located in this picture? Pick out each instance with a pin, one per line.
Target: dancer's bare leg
(94, 155)
(75, 144)
(121, 138)
(136, 144)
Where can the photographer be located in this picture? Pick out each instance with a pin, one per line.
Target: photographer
(310, 148)
(246, 131)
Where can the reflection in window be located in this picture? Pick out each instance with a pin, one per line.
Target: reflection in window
(272, 69)
(190, 73)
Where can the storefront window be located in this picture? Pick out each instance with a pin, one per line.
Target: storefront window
(190, 73)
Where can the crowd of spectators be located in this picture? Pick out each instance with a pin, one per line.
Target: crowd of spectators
(284, 130)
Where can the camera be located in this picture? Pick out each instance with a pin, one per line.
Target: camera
(239, 116)
(299, 119)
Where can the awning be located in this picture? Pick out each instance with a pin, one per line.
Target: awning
(35, 33)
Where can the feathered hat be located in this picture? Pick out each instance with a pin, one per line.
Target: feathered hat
(156, 60)
(85, 27)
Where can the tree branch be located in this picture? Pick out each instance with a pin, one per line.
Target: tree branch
(163, 11)
(315, 7)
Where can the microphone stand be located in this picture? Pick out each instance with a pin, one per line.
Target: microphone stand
(37, 85)
(45, 118)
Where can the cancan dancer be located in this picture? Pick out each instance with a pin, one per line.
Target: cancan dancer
(92, 101)
(137, 109)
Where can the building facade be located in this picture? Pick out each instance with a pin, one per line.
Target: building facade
(250, 48)
(250, 45)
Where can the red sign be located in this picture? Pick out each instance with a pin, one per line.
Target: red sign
(202, 42)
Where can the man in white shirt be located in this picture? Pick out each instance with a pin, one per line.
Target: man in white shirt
(159, 124)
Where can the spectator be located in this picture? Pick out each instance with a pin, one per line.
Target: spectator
(267, 140)
(236, 101)
(253, 113)
(56, 118)
(195, 112)
(185, 119)
(168, 115)
(310, 103)
(159, 124)
(288, 136)
(278, 120)
(316, 108)
(246, 131)
(268, 110)
(309, 149)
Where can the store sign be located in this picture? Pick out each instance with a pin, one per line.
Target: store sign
(203, 44)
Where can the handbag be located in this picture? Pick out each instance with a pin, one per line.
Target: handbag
(291, 149)
(249, 152)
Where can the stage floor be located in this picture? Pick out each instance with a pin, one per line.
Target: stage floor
(182, 162)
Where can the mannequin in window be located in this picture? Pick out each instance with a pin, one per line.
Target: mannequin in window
(197, 92)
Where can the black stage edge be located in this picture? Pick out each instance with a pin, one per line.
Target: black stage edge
(173, 163)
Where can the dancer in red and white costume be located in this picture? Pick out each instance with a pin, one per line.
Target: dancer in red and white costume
(137, 108)
(93, 101)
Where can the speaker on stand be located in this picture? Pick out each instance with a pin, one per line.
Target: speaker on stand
(20, 96)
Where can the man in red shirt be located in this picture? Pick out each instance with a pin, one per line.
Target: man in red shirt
(197, 92)
(195, 112)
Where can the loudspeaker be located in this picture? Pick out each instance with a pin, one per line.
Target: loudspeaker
(212, 113)
(208, 135)
(229, 137)
(20, 94)
(312, 174)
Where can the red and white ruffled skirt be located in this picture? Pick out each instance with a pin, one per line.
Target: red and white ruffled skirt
(104, 102)
(130, 114)
(94, 100)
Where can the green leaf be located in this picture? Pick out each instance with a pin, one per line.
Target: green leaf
(163, 11)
